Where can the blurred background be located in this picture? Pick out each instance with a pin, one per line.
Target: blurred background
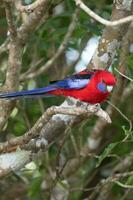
(42, 178)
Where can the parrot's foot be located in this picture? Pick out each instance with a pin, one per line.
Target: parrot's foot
(98, 105)
(85, 104)
(78, 103)
(38, 143)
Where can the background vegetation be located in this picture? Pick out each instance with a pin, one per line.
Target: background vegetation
(68, 168)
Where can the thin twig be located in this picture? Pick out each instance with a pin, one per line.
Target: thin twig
(123, 185)
(31, 69)
(122, 114)
(130, 79)
(110, 179)
(101, 20)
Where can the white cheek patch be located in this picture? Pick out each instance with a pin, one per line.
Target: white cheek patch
(109, 88)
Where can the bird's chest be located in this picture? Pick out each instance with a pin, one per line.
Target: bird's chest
(92, 95)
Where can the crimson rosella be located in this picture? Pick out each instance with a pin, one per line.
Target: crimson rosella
(88, 86)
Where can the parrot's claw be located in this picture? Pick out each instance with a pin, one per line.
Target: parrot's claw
(98, 105)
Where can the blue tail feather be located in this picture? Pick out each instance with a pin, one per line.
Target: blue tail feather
(28, 93)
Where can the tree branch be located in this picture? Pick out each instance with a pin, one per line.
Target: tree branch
(10, 22)
(10, 162)
(33, 20)
(60, 50)
(101, 20)
(87, 111)
(111, 38)
(31, 7)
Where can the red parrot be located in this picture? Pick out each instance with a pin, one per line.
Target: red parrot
(88, 86)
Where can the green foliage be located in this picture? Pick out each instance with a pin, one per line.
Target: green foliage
(35, 187)
(105, 153)
(130, 180)
(108, 150)
(43, 44)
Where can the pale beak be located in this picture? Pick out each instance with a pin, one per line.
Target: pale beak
(109, 88)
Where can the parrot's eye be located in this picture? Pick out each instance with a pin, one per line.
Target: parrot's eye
(103, 81)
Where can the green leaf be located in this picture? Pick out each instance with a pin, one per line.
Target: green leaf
(31, 84)
(35, 186)
(14, 112)
(130, 180)
(106, 153)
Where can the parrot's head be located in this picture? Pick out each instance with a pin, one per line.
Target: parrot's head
(105, 81)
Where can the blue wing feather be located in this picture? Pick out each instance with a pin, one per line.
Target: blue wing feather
(76, 81)
(72, 83)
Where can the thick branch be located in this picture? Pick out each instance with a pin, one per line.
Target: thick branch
(34, 131)
(30, 8)
(13, 161)
(111, 38)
